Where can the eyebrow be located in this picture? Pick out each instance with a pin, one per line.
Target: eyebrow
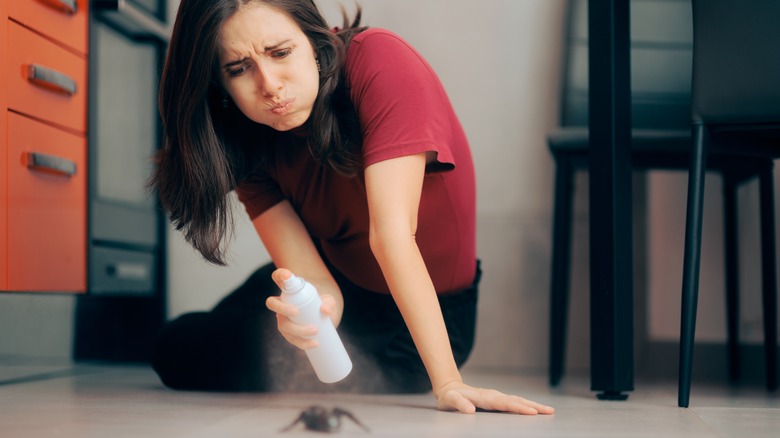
(266, 48)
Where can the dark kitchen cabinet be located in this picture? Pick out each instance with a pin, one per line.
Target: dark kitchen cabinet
(125, 306)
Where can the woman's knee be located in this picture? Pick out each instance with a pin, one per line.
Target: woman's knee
(201, 351)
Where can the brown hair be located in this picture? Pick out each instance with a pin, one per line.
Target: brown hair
(205, 149)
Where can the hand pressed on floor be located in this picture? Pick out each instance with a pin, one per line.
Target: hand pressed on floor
(458, 396)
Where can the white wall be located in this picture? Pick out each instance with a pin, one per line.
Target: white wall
(499, 61)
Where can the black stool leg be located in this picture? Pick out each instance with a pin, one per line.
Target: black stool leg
(691, 262)
(769, 280)
(731, 251)
(561, 258)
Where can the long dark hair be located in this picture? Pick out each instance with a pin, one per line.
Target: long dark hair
(205, 149)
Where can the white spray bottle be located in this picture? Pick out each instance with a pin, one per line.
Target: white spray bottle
(330, 360)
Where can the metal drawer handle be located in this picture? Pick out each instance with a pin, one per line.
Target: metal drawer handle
(67, 6)
(52, 79)
(50, 163)
(128, 271)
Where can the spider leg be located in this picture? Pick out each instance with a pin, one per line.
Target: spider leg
(344, 413)
(297, 420)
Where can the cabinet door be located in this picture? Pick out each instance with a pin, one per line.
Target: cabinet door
(47, 207)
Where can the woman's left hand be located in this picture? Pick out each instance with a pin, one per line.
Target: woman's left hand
(457, 396)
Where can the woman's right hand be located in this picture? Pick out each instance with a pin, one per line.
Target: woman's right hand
(296, 334)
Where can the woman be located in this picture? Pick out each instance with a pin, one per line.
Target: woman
(348, 157)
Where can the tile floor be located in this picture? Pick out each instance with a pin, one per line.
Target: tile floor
(87, 401)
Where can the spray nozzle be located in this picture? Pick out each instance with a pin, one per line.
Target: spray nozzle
(293, 283)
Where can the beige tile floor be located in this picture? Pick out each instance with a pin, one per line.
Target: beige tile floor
(128, 401)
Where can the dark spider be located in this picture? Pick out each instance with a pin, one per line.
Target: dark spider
(319, 419)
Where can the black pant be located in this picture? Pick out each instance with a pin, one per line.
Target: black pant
(237, 347)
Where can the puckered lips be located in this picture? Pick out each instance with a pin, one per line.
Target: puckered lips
(282, 107)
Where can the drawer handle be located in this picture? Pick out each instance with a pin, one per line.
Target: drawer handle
(67, 6)
(51, 79)
(50, 163)
(128, 271)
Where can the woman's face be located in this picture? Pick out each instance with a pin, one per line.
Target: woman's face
(268, 67)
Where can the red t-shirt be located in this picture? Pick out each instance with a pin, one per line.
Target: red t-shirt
(403, 110)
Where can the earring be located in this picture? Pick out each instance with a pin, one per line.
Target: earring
(224, 101)
(318, 65)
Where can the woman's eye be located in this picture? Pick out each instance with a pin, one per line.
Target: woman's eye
(279, 54)
(237, 71)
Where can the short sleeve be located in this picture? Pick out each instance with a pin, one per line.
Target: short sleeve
(402, 106)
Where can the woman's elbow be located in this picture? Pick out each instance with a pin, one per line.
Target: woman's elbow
(383, 241)
(375, 242)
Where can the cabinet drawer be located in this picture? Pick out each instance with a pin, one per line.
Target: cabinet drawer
(47, 207)
(121, 272)
(53, 19)
(57, 91)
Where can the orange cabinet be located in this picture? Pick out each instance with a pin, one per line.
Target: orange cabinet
(3, 154)
(43, 161)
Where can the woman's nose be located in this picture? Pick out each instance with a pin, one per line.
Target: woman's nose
(269, 80)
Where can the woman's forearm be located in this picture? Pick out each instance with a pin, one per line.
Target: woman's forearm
(289, 243)
(414, 293)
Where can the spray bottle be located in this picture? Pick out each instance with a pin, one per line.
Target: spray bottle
(330, 360)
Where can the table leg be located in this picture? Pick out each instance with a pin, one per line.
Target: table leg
(610, 199)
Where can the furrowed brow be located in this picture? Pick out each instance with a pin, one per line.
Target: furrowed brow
(234, 63)
(272, 47)
(277, 46)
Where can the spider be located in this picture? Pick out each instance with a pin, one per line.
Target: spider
(320, 419)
